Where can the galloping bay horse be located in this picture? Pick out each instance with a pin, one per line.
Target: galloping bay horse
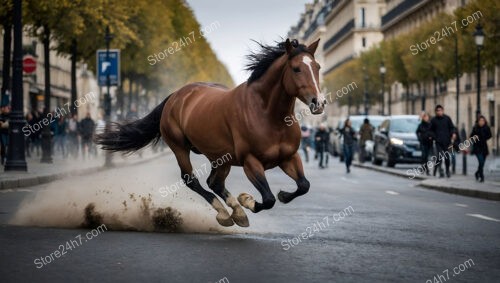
(248, 122)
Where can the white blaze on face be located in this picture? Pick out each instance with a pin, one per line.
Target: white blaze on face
(308, 61)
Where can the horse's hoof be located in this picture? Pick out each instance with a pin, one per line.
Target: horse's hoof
(283, 197)
(224, 219)
(247, 201)
(239, 217)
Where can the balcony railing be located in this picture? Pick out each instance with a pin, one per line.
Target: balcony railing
(341, 33)
(398, 10)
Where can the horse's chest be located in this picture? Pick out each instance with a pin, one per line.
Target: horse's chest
(275, 153)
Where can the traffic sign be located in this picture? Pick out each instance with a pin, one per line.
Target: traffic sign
(111, 67)
(29, 64)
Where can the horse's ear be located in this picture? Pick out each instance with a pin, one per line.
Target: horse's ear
(288, 46)
(313, 46)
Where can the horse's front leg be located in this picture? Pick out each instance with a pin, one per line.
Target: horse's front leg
(293, 168)
(255, 173)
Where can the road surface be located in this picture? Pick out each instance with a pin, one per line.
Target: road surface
(363, 227)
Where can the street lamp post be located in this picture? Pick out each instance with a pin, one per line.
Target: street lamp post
(479, 39)
(107, 97)
(365, 94)
(15, 154)
(382, 77)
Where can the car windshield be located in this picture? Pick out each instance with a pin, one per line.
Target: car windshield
(376, 122)
(356, 124)
(404, 125)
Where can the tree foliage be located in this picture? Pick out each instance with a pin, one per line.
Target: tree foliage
(434, 60)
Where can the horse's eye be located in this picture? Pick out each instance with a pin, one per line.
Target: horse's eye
(296, 70)
(319, 66)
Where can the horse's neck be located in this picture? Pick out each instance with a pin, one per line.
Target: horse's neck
(270, 93)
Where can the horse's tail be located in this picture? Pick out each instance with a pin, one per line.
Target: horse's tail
(135, 135)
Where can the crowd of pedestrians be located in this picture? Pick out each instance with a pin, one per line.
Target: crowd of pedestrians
(437, 135)
(70, 137)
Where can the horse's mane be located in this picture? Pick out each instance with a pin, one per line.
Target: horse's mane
(260, 61)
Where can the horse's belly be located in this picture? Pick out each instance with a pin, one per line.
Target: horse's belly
(274, 155)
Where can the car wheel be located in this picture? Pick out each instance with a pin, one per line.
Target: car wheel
(335, 153)
(376, 161)
(391, 163)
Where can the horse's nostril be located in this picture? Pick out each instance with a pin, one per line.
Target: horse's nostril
(315, 101)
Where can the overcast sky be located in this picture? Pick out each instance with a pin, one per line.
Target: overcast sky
(240, 21)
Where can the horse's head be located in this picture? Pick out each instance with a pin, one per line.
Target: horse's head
(301, 75)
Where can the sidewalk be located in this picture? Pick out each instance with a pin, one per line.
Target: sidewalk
(456, 184)
(41, 173)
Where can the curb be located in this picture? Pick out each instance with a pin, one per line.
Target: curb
(445, 189)
(463, 192)
(388, 171)
(44, 179)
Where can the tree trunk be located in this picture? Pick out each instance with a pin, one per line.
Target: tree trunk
(7, 41)
(46, 135)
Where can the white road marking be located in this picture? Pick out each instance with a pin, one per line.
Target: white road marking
(350, 181)
(483, 217)
(306, 60)
(392, 193)
(461, 205)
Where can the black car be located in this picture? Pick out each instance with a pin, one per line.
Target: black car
(396, 141)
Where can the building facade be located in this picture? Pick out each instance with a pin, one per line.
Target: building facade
(348, 27)
(60, 80)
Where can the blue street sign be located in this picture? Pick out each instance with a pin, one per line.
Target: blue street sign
(111, 67)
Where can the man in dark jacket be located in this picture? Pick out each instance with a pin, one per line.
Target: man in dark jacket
(87, 126)
(443, 131)
(321, 138)
(424, 135)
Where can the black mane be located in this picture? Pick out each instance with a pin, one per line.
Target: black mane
(259, 62)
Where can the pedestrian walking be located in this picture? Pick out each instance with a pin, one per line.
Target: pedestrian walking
(425, 137)
(36, 136)
(365, 134)
(60, 131)
(87, 126)
(349, 140)
(73, 136)
(321, 137)
(4, 132)
(481, 133)
(305, 132)
(444, 133)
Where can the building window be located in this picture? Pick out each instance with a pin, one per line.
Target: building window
(363, 41)
(490, 82)
(468, 82)
(362, 17)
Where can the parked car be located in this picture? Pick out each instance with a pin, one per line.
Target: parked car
(396, 141)
(337, 141)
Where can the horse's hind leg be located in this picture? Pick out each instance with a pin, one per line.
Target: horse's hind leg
(217, 182)
(182, 155)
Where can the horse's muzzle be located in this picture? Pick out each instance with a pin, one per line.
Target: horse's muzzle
(317, 106)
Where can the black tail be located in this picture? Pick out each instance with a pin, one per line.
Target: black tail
(135, 135)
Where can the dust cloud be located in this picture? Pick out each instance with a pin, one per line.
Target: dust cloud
(122, 199)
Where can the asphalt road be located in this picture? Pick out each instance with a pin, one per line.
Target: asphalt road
(388, 230)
